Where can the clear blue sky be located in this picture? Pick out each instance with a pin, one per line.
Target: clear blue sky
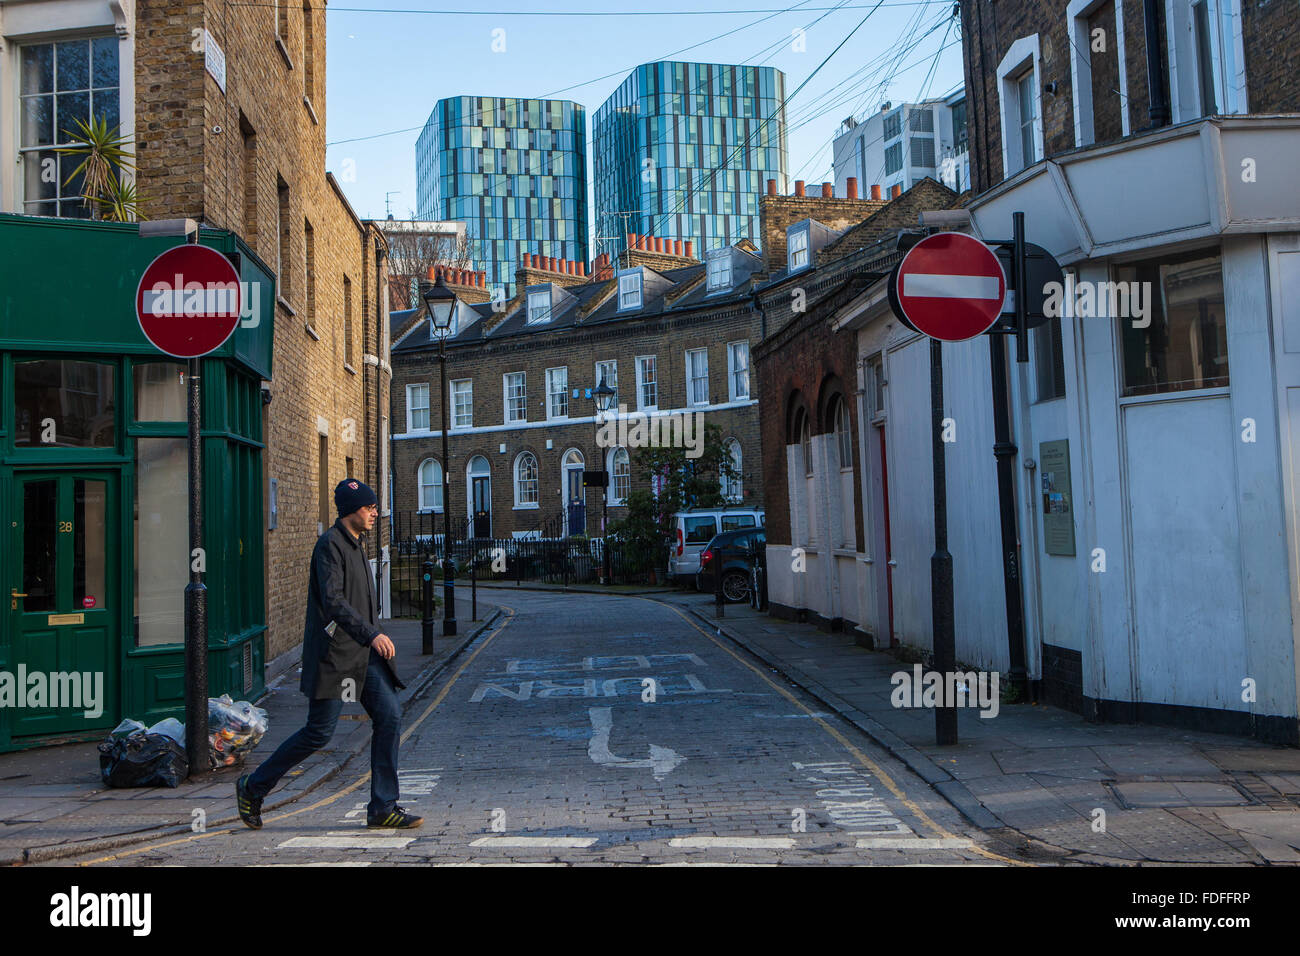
(387, 69)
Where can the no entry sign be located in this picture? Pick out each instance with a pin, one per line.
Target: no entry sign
(188, 301)
(949, 286)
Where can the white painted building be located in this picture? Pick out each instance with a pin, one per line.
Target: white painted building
(1158, 473)
(901, 145)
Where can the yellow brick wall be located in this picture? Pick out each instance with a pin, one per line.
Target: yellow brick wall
(195, 160)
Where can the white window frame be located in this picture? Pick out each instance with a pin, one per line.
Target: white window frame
(641, 383)
(410, 407)
(615, 499)
(792, 248)
(521, 504)
(1184, 70)
(843, 436)
(629, 282)
(732, 393)
(1076, 25)
(420, 486)
(718, 266)
(1023, 55)
(734, 491)
(692, 379)
(612, 365)
(539, 315)
(505, 396)
(456, 424)
(562, 392)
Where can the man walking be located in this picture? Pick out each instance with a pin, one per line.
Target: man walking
(345, 657)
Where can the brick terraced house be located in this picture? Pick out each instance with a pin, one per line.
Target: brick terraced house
(670, 332)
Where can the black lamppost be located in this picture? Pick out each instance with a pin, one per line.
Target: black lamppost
(604, 396)
(441, 302)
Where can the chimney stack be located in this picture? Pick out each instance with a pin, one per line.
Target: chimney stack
(852, 186)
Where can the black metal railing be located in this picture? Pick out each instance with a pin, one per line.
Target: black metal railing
(545, 557)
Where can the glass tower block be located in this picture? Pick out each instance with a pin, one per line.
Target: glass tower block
(684, 150)
(514, 171)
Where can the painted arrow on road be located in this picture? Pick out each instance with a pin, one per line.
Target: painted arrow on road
(662, 760)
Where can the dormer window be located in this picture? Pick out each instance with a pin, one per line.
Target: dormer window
(796, 249)
(719, 266)
(539, 306)
(629, 291)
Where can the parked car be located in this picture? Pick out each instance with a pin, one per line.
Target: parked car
(695, 528)
(731, 554)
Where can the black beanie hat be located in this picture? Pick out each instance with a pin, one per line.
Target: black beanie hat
(352, 495)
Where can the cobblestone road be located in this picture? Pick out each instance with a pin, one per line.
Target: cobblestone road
(602, 730)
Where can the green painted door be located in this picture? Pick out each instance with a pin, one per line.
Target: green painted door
(62, 601)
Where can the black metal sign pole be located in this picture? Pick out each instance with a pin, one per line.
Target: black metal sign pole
(941, 596)
(196, 596)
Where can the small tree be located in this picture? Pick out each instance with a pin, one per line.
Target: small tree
(682, 482)
(413, 252)
(105, 157)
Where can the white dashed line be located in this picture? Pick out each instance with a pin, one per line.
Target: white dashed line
(343, 840)
(734, 843)
(916, 843)
(575, 843)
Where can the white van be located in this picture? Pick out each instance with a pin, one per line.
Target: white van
(695, 528)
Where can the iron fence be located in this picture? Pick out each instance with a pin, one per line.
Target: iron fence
(547, 558)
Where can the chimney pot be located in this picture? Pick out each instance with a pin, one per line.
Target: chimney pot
(771, 187)
(875, 192)
(895, 192)
(582, 268)
(690, 249)
(677, 247)
(828, 190)
(631, 240)
(798, 187)
(852, 186)
(573, 267)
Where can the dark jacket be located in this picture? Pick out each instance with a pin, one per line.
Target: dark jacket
(341, 591)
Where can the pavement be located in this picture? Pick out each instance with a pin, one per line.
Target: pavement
(1121, 794)
(54, 805)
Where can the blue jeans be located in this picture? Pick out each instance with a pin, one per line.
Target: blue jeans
(379, 698)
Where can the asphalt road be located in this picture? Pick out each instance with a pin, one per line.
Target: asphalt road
(587, 729)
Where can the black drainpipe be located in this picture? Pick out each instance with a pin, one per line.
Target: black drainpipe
(1157, 91)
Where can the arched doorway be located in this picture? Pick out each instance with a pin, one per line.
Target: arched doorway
(575, 496)
(480, 497)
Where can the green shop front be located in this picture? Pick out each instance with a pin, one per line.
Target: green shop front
(94, 489)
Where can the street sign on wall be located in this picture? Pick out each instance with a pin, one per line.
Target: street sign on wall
(949, 286)
(188, 301)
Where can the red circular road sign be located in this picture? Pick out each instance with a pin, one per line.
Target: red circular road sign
(951, 286)
(188, 301)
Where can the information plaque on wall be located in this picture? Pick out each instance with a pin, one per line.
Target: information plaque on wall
(1058, 503)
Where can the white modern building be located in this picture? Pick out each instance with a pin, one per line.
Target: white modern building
(901, 145)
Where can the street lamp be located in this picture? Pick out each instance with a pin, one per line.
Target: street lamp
(604, 396)
(441, 302)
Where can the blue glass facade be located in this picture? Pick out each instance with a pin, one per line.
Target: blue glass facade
(683, 151)
(514, 171)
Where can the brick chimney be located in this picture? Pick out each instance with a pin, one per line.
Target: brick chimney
(470, 286)
(778, 213)
(659, 253)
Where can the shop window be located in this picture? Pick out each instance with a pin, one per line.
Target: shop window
(1181, 342)
(160, 392)
(161, 540)
(1049, 361)
(63, 403)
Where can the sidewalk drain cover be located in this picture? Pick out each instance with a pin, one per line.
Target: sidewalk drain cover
(1179, 793)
